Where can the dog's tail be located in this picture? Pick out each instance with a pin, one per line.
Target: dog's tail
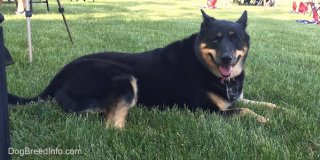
(46, 93)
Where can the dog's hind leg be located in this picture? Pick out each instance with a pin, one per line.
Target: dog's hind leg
(117, 112)
(116, 115)
(244, 112)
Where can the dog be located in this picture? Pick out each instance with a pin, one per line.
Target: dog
(204, 70)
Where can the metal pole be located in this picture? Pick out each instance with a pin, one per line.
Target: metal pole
(28, 15)
(61, 10)
(4, 118)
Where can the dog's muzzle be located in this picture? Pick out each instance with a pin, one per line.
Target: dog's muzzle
(226, 64)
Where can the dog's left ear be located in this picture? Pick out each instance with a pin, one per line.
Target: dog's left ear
(243, 20)
(206, 18)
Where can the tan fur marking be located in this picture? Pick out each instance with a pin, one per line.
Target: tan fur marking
(203, 45)
(207, 54)
(135, 91)
(238, 68)
(116, 116)
(247, 111)
(221, 103)
(206, 57)
(240, 53)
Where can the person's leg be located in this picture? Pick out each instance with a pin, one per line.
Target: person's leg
(21, 6)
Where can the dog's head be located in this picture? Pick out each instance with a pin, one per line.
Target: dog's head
(222, 46)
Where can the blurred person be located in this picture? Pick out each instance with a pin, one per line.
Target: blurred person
(212, 3)
(21, 7)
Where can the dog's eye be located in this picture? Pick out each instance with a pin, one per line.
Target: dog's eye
(234, 38)
(216, 40)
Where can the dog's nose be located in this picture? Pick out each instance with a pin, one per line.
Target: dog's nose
(226, 59)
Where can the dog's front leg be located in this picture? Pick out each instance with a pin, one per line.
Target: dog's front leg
(263, 104)
(223, 106)
(258, 103)
(244, 112)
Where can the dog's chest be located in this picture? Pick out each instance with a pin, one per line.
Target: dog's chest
(233, 89)
(226, 94)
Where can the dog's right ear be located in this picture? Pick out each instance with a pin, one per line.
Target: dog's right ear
(206, 18)
(243, 20)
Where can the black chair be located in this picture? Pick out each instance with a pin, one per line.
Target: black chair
(11, 1)
(5, 59)
(4, 51)
(31, 1)
(39, 1)
(269, 3)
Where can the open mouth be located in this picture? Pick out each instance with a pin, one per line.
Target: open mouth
(226, 70)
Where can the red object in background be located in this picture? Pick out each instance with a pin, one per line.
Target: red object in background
(303, 8)
(315, 14)
(294, 6)
(212, 3)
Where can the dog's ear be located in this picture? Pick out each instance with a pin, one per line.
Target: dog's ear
(243, 20)
(206, 18)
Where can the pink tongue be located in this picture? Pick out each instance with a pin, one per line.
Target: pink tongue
(225, 70)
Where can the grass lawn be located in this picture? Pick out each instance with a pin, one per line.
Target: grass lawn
(282, 67)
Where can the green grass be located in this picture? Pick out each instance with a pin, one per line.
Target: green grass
(282, 67)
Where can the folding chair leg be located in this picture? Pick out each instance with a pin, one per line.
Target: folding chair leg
(47, 2)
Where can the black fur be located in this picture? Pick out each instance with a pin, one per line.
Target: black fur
(167, 76)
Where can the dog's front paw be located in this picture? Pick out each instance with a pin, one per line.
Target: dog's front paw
(270, 105)
(247, 111)
(262, 119)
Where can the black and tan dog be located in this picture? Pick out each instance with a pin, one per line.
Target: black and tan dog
(205, 70)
